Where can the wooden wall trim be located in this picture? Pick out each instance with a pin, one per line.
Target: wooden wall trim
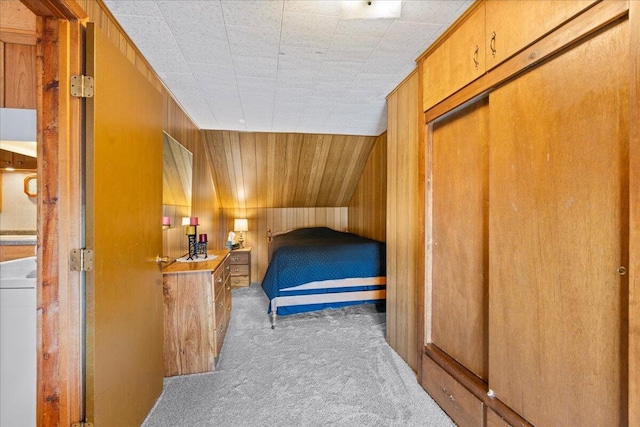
(634, 220)
(59, 211)
(62, 9)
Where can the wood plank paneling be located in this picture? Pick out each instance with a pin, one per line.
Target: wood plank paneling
(16, 18)
(295, 170)
(368, 205)
(17, 56)
(403, 247)
(634, 221)
(277, 219)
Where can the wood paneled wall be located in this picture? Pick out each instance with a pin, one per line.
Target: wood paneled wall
(204, 201)
(277, 219)
(404, 133)
(274, 170)
(368, 205)
(17, 56)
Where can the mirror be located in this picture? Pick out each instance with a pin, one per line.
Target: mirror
(177, 172)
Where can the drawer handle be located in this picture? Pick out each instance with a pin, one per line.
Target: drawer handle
(228, 267)
(219, 279)
(228, 287)
(449, 395)
(492, 44)
(475, 57)
(220, 304)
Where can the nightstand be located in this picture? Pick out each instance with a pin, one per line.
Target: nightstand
(240, 260)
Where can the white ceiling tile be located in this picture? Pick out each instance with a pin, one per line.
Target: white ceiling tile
(206, 52)
(366, 80)
(315, 7)
(227, 113)
(224, 100)
(339, 71)
(358, 96)
(296, 78)
(407, 36)
(230, 125)
(289, 63)
(299, 30)
(148, 33)
(345, 41)
(291, 94)
(432, 12)
(281, 64)
(135, 8)
(248, 66)
(353, 54)
(364, 27)
(256, 13)
(257, 42)
(256, 85)
(189, 19)
(382, 62)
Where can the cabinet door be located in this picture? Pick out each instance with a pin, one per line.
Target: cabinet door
(460, 255)
(512, 25)
(459, 60)
(558, 228)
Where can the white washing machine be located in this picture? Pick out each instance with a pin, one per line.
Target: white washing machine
(18, 346)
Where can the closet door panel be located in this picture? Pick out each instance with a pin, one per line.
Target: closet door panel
(460, 218)
(558, 232)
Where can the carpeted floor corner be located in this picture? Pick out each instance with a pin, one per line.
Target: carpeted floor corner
(329, 368)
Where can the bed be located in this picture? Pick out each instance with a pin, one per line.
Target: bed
(316, 268)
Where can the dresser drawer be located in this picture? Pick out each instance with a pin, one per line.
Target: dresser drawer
(239, 257)
(458, 402)
(239, 270)
(218, 280)
(227, 268)
(239, 281)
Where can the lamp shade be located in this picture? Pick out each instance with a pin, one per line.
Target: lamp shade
(241, 224)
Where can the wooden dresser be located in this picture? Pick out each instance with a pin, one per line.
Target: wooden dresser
(240, 260)
(197, 309)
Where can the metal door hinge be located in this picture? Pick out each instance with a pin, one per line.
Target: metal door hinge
(81, 260)
(82, 86)
(82, 424)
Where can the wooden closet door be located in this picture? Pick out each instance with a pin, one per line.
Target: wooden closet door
(459, 147)
(558, 233)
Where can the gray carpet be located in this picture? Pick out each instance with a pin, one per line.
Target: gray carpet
(330, 368)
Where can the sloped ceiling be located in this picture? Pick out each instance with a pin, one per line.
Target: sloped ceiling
(282, 65)
(273, 170)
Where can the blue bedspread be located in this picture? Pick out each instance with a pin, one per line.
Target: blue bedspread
(313, 254)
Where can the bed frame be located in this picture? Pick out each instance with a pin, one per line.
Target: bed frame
(325, 297)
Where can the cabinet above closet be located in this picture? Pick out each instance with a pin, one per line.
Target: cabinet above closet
(489, 33)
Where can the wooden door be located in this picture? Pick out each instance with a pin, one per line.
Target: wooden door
(459, 280)
(124, 342)
(558, 232)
